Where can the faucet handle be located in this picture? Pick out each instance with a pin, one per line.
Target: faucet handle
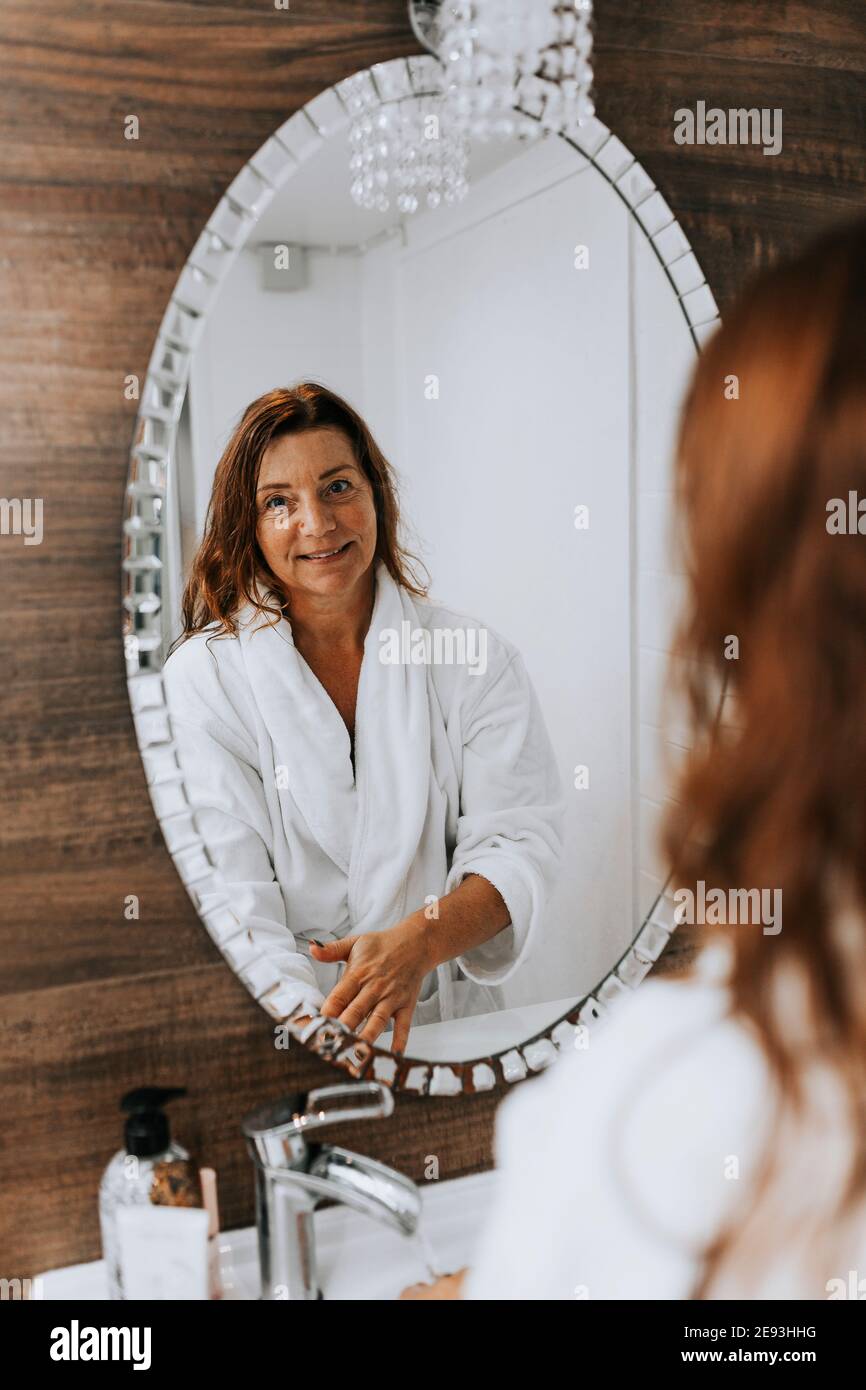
(360, 1100)
(327, 1105)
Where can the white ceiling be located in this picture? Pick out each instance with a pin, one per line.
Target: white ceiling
(315, 207)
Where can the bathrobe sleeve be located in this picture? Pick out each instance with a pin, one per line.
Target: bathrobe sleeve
(510, 828)
(218, 755)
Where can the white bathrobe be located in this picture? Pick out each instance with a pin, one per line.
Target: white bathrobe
(454, 774)
(615, 1168)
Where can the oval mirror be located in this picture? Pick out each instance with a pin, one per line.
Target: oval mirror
(432, 745)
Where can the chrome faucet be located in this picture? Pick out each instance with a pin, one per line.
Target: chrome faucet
(293, 1177)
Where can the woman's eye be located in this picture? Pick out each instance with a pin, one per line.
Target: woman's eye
(340, 483)
(274, 503)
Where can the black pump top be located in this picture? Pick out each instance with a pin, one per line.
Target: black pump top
(147, 1132)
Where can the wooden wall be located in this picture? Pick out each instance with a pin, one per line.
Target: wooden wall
(94, 231)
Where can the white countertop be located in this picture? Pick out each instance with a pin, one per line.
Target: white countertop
(480, 1035)
(357, 1258)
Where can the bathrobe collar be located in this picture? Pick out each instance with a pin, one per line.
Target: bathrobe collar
(369, 824)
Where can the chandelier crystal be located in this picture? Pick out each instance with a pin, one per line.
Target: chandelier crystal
(406, 153)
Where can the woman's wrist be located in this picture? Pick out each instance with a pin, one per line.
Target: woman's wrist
(469, 915)
(429, 939)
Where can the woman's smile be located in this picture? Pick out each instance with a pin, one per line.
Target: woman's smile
(323, 557)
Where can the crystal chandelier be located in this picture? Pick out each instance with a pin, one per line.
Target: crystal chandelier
(500, 55)
(508, 68)
(408, 153)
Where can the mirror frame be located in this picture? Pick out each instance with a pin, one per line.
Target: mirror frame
(148, 487)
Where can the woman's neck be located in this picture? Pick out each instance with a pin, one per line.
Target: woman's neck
(331, 622)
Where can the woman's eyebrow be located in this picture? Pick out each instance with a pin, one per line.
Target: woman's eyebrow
(287, 487)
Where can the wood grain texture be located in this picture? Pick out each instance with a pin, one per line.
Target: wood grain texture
(94, 232)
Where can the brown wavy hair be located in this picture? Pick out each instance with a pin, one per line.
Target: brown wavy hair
(776, 794)
(229, 570)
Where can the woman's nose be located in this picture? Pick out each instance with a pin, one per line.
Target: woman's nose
(314, 517)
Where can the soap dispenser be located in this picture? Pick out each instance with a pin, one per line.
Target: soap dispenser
(149, 1169)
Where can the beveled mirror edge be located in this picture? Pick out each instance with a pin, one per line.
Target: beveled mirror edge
(225, 233)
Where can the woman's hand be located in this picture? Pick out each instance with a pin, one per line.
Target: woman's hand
(447, 1286)
(382, 979)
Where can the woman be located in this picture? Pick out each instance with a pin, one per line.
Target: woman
(370, 771)
(712, 1142)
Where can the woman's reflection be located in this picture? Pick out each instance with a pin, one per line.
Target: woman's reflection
(370, 771)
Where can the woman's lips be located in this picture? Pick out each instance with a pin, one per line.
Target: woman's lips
(325, 557)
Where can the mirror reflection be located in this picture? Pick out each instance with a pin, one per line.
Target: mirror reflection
(419, 462)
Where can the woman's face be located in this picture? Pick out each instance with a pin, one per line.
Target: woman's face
(316, 519)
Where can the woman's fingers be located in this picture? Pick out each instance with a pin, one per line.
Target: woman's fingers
(380, 983)
(358, 1010)
(341, 996)
(335, 950)
(376, 1023)
(447, 1286)
(402, 1024)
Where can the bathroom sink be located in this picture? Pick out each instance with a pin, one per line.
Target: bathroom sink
(357, 1259)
